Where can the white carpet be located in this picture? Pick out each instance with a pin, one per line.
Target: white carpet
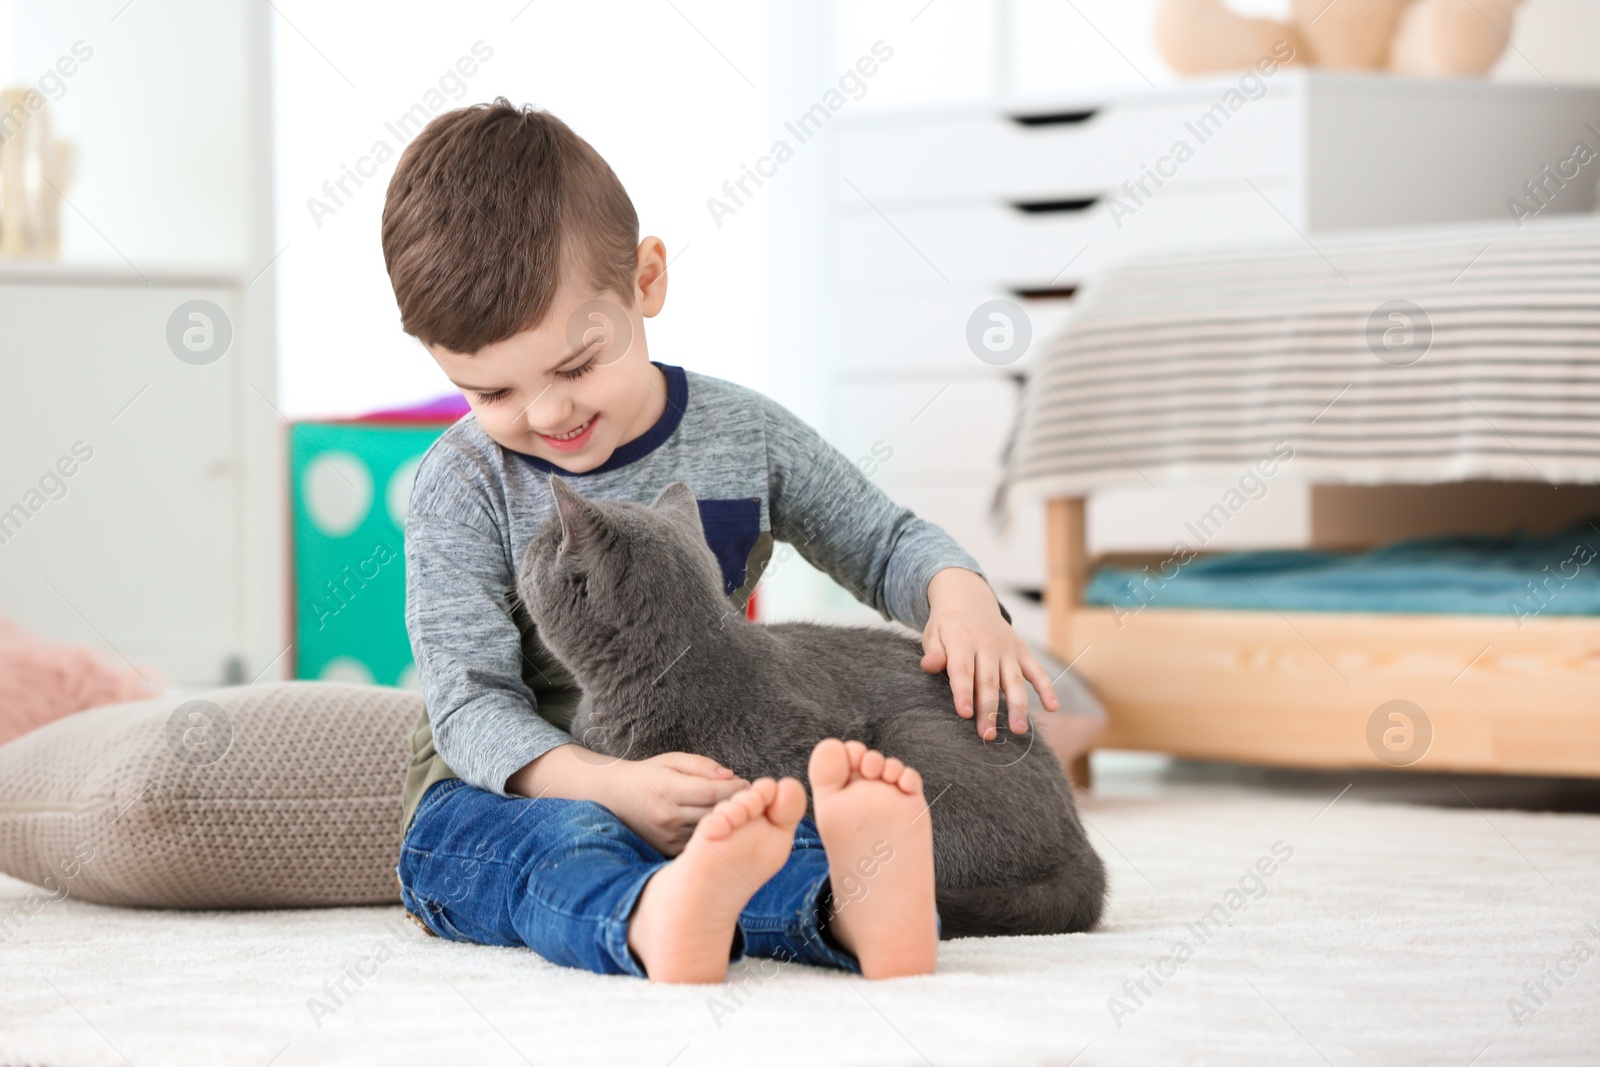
(1393, 934)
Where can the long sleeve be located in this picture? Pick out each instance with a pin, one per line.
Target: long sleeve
(848, 528)
(459, 595)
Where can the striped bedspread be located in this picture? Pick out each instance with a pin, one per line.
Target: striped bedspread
(1423, 355)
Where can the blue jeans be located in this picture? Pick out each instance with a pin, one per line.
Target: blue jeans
(562, 876)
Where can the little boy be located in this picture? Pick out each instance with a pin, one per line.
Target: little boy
(515, 258)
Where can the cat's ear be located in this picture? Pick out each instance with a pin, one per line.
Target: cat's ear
(678, 499)
(578, 516)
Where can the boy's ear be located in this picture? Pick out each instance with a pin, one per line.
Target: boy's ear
(578, 516)
(678, 499)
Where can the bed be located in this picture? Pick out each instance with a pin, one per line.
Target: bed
(1448, 378)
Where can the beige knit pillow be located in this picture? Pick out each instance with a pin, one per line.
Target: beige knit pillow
(279, 795)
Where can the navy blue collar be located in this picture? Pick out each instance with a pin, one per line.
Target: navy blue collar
(645, 443)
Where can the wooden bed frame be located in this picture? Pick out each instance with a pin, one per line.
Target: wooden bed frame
(1303, 689)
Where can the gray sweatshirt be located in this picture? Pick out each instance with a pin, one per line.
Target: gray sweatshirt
(495, 697)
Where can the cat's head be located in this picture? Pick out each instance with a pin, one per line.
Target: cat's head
(600, 570)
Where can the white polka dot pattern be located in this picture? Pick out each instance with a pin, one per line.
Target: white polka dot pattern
(338, 492)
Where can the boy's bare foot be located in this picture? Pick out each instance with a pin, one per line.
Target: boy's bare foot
(879, 839)
(683, 924)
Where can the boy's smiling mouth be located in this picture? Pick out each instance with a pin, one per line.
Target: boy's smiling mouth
(574, 438)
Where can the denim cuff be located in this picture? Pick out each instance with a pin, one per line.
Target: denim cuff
(829, 950)
(616, 930)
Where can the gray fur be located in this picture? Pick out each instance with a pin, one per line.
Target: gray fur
(629, 598)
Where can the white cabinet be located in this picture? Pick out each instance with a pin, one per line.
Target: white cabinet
(936, 211)
(140, 492)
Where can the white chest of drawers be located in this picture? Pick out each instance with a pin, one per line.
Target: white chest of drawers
(937, 211)
(143, 505)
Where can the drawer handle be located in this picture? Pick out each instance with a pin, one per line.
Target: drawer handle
(1050, 292)
(1055, 207)
(1055, 118)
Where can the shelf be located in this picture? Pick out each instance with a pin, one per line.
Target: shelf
(57, 272)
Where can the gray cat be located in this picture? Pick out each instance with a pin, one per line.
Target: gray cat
(630, 599)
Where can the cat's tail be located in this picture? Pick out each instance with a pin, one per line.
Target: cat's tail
(1068, 902)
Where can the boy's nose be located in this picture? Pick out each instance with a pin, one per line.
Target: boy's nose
(548, 410)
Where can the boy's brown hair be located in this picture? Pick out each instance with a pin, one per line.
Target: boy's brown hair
(487, 207)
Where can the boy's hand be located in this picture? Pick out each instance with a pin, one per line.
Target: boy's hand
(967, 636)
(662, 798)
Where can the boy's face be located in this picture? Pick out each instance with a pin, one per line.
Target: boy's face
(577, 385)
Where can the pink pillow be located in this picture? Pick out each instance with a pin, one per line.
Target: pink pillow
(41, 682)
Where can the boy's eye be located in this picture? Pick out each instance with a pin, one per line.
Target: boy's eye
(490, 398)
(578, 371)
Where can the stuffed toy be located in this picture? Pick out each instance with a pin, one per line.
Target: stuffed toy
(1448, 38)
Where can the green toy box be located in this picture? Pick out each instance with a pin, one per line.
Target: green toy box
(351, 483)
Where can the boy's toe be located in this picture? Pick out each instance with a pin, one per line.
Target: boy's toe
(789, 806)
(829, 768)
(717, 825)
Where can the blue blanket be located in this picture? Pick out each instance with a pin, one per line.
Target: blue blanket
(1521, 576)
